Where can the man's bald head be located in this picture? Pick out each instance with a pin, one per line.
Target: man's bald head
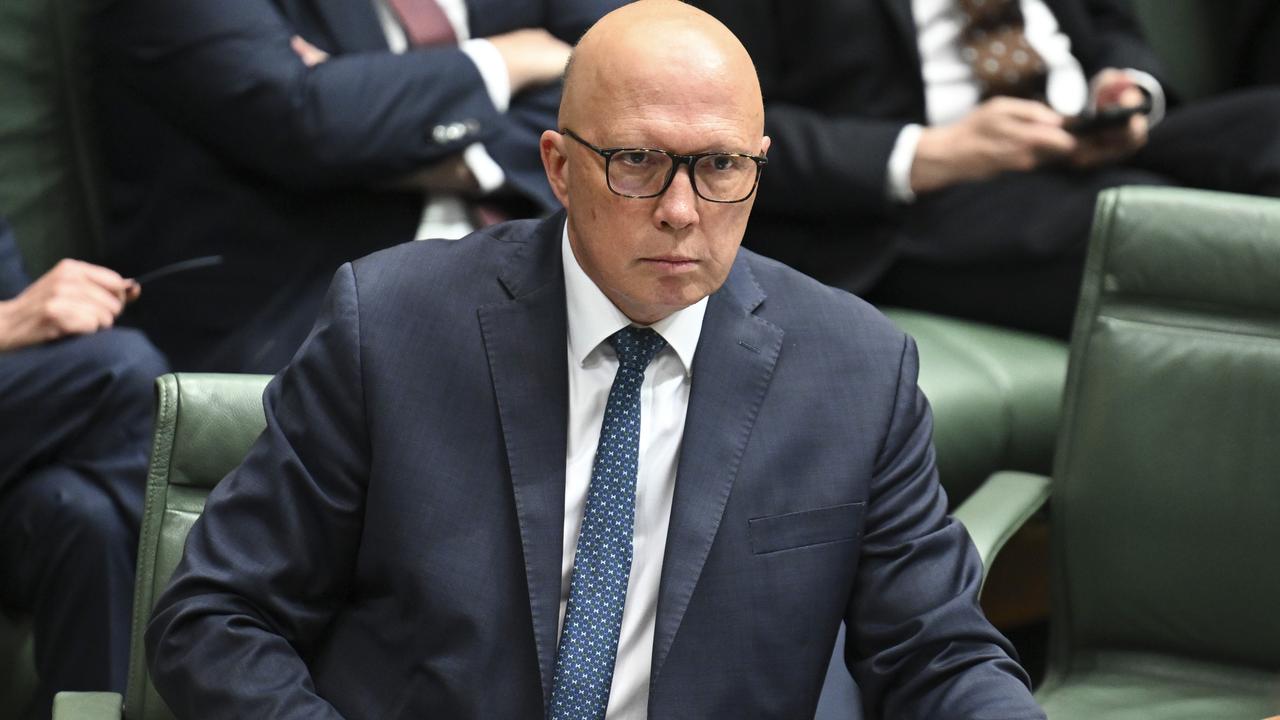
(657, 78)
(652, 50)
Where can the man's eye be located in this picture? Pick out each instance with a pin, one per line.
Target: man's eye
(723, 162)
(636, 159)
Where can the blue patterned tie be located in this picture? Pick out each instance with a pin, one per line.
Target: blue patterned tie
(602, 566)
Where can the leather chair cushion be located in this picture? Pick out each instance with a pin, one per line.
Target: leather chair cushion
(1141, 687)
(996, 396)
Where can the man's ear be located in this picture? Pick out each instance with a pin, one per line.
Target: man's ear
(556, 164)
(764, 145)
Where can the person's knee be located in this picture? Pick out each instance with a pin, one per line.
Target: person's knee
(70, 540)
(73, 516)
(82, 510)
(126, 364)
(132, 360)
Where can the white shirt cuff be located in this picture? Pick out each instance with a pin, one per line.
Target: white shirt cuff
(898, 177)
(1153, 89)
(484, 169)
(492, 69)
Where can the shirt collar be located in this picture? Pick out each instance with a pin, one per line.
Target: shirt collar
(593, 317)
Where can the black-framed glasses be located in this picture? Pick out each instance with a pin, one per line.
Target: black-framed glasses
(719, 177)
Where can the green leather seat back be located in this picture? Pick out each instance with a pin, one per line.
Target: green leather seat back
(48, 178)
(1167, 481)
(996, 395)
(205, 424)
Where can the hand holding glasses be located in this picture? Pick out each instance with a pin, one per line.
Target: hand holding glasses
(647, 172)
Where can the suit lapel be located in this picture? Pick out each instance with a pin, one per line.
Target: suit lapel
(525, 340)
(904, 23)
(734, 363)
(352, 24)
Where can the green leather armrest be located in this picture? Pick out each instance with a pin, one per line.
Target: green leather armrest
(88, 706)
(995, 511)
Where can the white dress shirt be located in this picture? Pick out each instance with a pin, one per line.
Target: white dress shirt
(445, 215)
(952, 89)
(664, 400)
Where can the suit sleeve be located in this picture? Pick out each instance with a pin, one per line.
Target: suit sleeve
(271, 559)
(919, 645)
(1116, 40)
(820, 163)
(223, 71)
(824, 161)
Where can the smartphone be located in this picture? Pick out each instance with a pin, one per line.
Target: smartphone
(1109, 117)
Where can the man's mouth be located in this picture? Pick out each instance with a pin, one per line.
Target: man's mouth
(671, 262)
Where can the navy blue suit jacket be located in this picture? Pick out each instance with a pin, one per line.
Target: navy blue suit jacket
(219, 140)
(391, 547)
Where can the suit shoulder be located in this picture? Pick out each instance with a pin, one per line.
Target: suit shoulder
(799, 303)
(428, 270)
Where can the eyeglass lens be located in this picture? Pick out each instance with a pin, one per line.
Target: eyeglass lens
(723, 178)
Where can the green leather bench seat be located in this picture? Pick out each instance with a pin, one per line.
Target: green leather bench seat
(995, 394)
(1131, 686)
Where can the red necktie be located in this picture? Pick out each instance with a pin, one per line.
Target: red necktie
(424, 22)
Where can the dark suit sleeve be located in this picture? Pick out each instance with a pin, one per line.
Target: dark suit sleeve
(223, 70)
(829, 157)
(271, 558)
(919, 645)
(1113, 38)
(821, 164)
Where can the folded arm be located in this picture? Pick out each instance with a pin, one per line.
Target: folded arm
(227, 72)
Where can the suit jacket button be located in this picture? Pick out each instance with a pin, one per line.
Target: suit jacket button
(440, 134)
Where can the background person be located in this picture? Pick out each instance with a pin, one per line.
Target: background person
(918, 161)
(76, 404)
(290, 137)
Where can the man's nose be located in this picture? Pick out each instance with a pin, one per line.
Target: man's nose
(678, 206)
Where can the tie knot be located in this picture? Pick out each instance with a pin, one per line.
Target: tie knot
(636, 347)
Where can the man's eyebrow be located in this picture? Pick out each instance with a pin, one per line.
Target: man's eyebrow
(707, 149)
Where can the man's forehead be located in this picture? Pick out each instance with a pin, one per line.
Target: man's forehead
(672, 103)
(664, 52)
(677, 128)
(669, 63)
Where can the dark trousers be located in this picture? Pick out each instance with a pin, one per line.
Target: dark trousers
(1010, 250)
(77, 416)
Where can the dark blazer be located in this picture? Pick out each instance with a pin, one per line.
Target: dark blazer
(219, 140)
(841, 78)
(391, 546)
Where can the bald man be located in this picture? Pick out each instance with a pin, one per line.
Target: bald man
(602, 466)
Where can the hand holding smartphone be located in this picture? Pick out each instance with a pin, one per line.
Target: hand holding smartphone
(1090, 122)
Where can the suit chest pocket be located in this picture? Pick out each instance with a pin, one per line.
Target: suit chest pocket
(791, 531)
